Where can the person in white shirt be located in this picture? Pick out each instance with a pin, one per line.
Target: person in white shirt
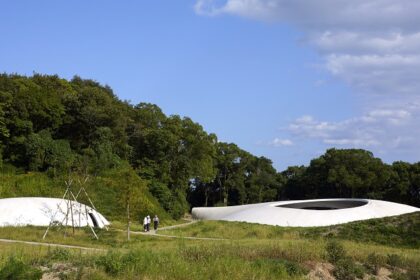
(145, 223)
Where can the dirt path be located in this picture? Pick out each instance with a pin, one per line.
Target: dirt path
(154, 233)
(190, 222)
(50, 245)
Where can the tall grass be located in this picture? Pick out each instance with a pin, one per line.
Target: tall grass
(399, 231)
(147, 257)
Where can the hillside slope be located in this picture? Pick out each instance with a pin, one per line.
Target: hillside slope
(107, 191)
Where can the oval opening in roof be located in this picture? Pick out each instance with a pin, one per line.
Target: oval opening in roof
(325, 205)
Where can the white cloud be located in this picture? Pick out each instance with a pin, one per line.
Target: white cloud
(367, 43)
(380, 129)
(322, 14)
(351, 142)
(277, 142)
(373, 45)
(377, 74)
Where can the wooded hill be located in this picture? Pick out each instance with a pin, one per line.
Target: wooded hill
(54, 126)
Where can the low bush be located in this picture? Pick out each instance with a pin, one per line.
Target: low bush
(347, 269)
(115, 263)
(374, 262)
(394, 260)
(59, 254)
(344, 267)
(16, 269)
(280, 267)
(335, 251)
(111, 262)
(411, 274)
(293, 268)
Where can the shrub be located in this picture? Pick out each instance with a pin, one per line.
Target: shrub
(293, 268)
(335, 251)
(397, 275)
(413, 273)
(115, 263)
(59, 254)
(16, 269)
(394, 260)
(374, 262)
(346, 269)
(409, 275)
(279, 266)
(112, 263)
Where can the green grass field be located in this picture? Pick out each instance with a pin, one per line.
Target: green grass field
(249, 251)
(399, 231)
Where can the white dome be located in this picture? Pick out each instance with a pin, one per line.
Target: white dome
(40, 211)
(305, 213)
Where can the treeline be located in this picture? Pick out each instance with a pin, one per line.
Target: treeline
(353, 173)
(346, 173)
(52, 125)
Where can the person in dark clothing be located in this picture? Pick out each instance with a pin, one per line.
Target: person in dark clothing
(155, 222)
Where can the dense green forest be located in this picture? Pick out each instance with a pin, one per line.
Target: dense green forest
(55, 126)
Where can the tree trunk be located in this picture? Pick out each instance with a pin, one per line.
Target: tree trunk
(220, 188)
(206, 195)
(225, 197)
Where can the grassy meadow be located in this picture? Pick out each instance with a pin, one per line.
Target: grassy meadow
(247, 251)
(398, 231)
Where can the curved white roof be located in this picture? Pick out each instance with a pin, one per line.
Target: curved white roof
(40, 211)
(305, 213)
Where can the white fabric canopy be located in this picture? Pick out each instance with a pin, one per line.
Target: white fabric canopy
(40, 211)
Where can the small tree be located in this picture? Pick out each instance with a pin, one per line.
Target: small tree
(127, 198)
(130, 192)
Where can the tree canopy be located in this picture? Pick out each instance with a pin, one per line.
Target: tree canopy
(52, 125)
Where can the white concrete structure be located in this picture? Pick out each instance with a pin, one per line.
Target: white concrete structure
(40, 211)
(305, 213)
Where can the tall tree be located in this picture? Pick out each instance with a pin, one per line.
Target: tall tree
(262, 184)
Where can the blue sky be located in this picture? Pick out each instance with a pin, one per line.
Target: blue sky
(282, 79)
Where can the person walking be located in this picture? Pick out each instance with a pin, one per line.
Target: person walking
(155, 222)
(148, 223)
(145, 223)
